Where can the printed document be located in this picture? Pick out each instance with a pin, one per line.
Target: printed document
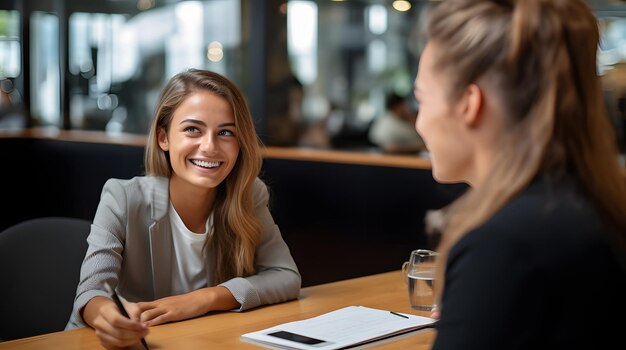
(346, 327)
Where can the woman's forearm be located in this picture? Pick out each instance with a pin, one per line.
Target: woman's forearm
(217, 298)
(92, 309)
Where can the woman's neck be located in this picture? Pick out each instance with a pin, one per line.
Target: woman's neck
(192, 204)
(483, 165)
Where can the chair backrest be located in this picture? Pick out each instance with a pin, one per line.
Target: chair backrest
(40, 262)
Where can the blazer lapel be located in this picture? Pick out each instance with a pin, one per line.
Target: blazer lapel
(161, 246)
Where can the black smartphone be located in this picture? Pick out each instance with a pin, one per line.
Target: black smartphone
(296, 337)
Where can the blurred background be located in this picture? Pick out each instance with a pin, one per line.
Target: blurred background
(317, 74)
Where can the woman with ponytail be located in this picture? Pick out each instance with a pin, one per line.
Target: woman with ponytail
(194, 235)
(533, 255)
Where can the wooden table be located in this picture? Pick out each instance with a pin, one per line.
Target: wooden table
(222, 330)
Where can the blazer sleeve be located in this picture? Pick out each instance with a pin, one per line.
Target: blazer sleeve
(104, 255)
(277, 278)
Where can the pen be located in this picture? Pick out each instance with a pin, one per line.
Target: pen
(397, 314)
(120, 306)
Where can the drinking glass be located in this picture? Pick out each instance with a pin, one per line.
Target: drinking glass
(419, 272)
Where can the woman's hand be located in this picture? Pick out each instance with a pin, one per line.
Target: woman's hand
(174, 308)
(114, 330)
(185, 306)
(435, 313)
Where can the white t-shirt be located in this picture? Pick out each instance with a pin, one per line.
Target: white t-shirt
(189, 270)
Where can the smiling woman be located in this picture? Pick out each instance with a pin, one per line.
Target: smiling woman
(194, 235)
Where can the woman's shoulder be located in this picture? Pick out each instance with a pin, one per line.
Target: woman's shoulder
(138, 193)
(138, 187)
(551, 205)
(260, 193)
(553, 215)
(137, 182)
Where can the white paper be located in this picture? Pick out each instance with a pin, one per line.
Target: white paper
(349, 326)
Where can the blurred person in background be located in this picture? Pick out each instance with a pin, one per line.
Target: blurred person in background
(11, 113)
(394, 130)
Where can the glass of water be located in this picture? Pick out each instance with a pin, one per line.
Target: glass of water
(420, 276)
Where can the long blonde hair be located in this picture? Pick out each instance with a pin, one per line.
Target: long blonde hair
(237, 231)
(540, 57)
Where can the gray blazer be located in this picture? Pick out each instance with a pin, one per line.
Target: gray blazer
(130, 246)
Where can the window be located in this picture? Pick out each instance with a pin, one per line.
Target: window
(11, 114)
(45, 69)
(119, 63)
(345, 58)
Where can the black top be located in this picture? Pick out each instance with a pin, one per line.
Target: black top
(539, 274)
